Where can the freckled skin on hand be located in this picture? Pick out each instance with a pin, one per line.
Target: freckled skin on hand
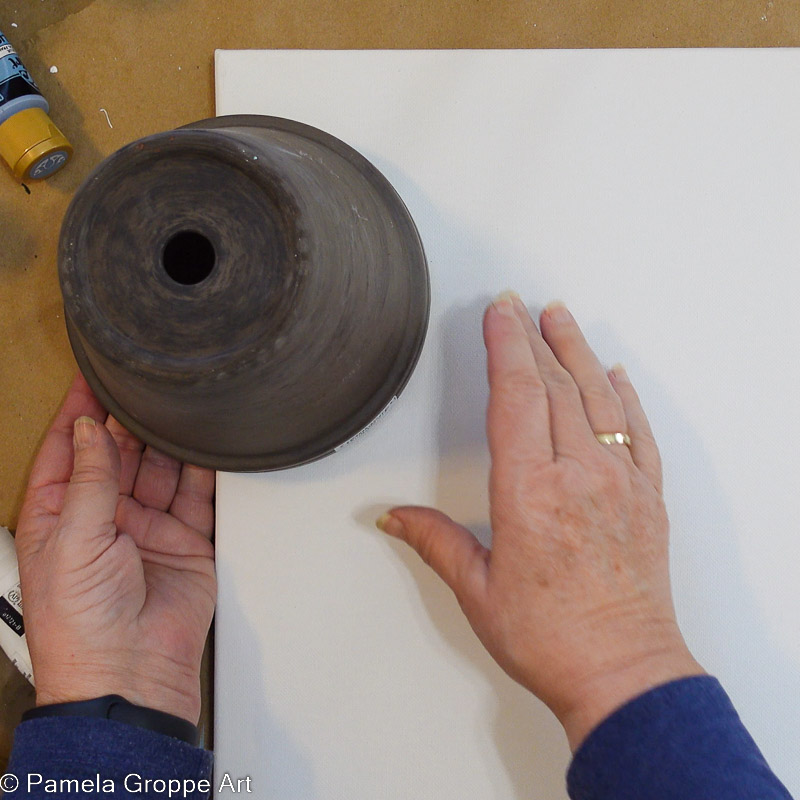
(574, 601)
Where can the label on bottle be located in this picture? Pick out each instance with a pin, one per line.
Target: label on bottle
(15, 80)
(14, 596)
(11, 610)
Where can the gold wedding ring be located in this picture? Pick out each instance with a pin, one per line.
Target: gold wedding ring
(614, 438)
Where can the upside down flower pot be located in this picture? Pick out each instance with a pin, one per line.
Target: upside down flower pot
(244, 293)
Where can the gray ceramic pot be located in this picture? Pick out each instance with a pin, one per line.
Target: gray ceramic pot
(245, 293)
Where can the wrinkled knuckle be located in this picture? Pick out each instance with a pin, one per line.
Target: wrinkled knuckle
(425, 548)
(90, 473)
(524, 386)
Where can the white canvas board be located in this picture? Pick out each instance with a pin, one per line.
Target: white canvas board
(658, 194)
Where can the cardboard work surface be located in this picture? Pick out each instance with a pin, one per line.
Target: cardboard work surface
(657, 193)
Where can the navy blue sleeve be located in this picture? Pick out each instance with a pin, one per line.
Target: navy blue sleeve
(107, 755)
(680, 741)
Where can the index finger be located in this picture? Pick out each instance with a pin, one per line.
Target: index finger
(518, 417)
(54, 462)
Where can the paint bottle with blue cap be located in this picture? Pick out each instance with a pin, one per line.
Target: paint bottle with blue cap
(30, 143)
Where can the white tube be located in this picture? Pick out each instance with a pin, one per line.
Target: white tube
(12, 629)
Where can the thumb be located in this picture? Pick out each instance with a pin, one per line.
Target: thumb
(453, 553)
(90, 502)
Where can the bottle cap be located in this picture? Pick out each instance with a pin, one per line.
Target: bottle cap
(32, 145)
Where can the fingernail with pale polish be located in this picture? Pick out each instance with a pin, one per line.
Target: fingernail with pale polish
(504, 303)
(85, 432)
(557, 311)
(618, 371)
(389, 524)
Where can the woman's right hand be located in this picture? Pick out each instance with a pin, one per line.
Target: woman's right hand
(573, 600)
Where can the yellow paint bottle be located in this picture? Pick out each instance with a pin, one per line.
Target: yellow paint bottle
(31, 145)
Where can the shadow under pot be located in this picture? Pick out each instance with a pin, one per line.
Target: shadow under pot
(244, 293)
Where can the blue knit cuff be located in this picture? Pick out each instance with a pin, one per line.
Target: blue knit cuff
(97, 755)
(679, 741)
